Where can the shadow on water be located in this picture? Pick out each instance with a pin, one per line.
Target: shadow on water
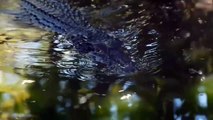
(43, 78)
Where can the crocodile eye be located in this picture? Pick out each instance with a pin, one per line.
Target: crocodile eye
(85, 48)
(101, 47)
(72, 37)
(116, 44)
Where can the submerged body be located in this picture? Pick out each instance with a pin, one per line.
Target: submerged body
(57, 16)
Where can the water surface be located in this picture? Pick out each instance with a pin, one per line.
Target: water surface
(43, 78)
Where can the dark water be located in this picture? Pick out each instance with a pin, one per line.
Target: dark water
(42, 78)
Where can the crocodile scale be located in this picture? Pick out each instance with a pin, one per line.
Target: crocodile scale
(59, 17)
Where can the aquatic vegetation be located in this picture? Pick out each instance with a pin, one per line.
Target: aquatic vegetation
(13, 96)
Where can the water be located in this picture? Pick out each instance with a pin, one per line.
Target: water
(43, 78)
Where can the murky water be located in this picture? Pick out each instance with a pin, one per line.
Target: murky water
(43, 78)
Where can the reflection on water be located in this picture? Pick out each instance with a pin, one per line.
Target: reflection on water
(43, 78)
(19, 50)
(13, 96)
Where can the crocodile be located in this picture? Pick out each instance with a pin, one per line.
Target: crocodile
(60, 17)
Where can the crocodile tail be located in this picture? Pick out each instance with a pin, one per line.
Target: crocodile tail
(53, 15)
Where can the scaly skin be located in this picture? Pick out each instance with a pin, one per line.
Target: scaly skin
(57, 16)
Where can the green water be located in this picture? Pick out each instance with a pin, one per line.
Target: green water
(39, 81)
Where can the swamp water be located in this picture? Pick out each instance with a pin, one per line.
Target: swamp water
(42, 80)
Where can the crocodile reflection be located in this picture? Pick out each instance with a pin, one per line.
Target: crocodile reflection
(106, 49)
